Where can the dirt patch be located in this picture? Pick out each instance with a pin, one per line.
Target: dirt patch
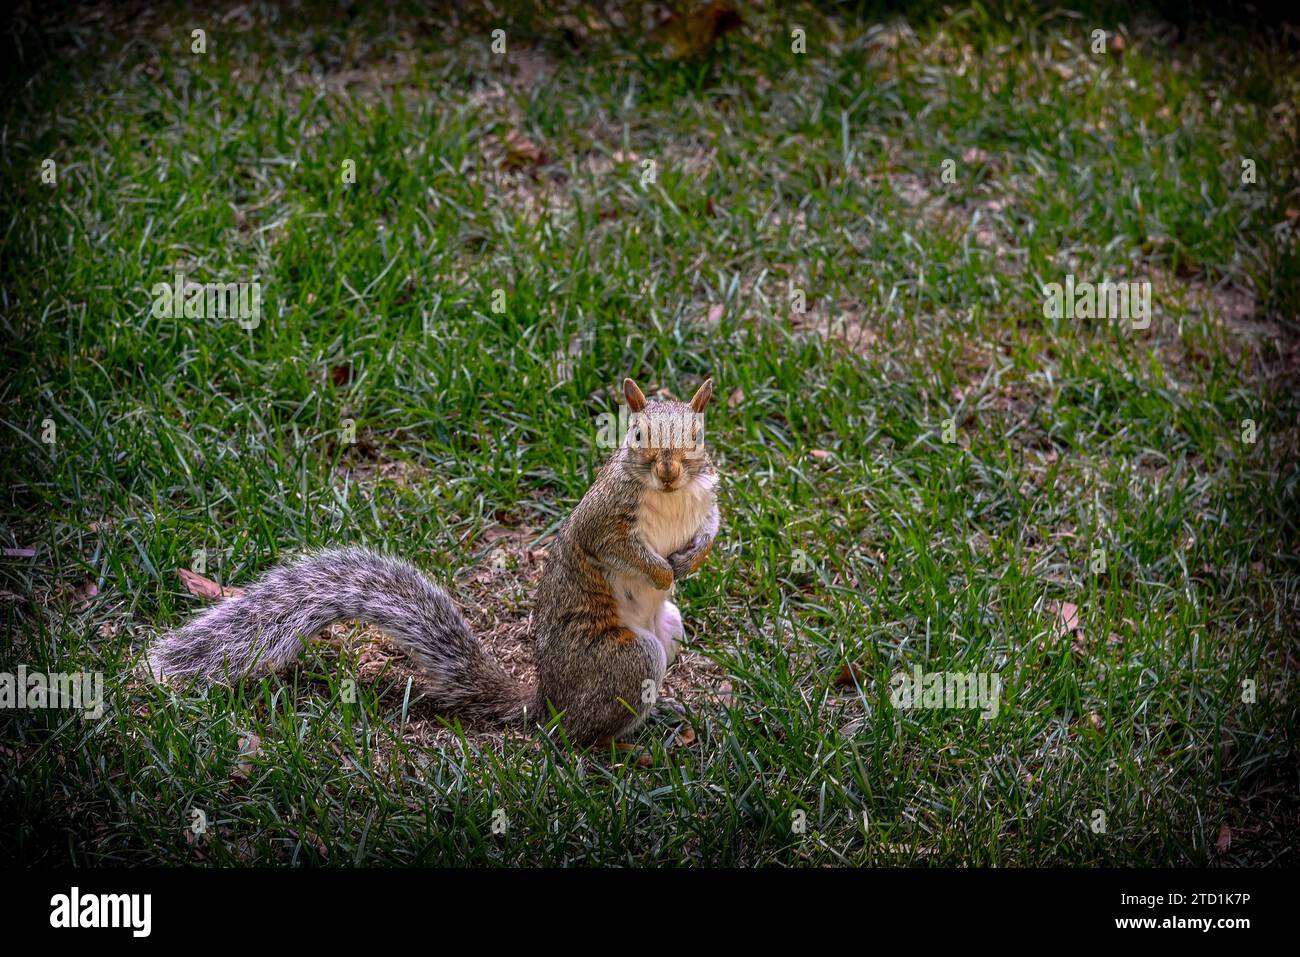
(494, 594)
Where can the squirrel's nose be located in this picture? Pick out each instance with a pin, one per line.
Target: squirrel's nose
(668, 473)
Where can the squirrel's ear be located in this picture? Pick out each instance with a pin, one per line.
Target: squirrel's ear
(702, 396)
(635, 398)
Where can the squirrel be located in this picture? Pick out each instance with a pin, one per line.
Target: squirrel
(604, 624)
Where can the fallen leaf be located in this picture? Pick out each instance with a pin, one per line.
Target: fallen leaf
(250, 746)
(312, 838)
(820, 454)
(79, 595)
(735, 398)
(521, 152)
(725, 697)
(341, 375)
(850, 676)
(202, 587)
(715, 313)
(1067, 619)
(686, 736)
(1225, 838)
(690, 34)
(19, 553)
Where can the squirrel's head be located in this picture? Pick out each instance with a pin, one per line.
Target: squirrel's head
(665, 440)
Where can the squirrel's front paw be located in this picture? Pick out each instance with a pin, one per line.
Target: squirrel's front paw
(681, 562)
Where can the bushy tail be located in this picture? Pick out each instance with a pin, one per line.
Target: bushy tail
(266, 628)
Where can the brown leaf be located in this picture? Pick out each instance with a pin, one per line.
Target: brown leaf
(1117, 44)
(690, 34)
(314, 839)
(1225, 838)
(79, 595)
(1067, 619)
(735, 398)
(686, 736)
(341, 375)
(725, 696)
(850, 676)
(820, 454)
(250, 746)
(201, 587)
(521, 152)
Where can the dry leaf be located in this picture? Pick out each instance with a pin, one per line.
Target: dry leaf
(521, 152)
(725, 697)
(19, 553)
(820, 454)
(341, 375)
(850, 676)
(690, 34)
(201, 587)
(735, 398)
(250, 746)
(715, 312)
(686, 736)
(79, 595)
(1225, 838)
(312, 838)
(1067, 619)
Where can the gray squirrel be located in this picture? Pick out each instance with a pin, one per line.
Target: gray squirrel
(605, 627)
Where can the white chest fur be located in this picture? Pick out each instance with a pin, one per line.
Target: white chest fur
(667, 522)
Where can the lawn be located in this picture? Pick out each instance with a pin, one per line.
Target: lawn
(460, 254)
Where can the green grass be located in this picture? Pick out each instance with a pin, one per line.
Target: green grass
(773, 171)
